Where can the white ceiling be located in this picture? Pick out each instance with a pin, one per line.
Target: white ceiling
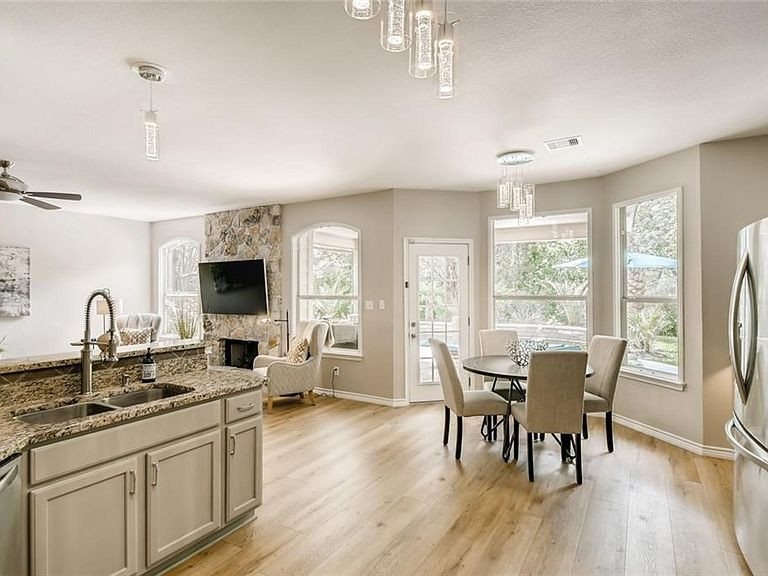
(278, 102)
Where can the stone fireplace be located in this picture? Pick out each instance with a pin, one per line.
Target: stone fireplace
(243, 235)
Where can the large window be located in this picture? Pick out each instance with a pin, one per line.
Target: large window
(327, 282)
(541, 277)
(179, 288)
(649, 285)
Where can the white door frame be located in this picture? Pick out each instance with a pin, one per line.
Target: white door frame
(407, 240)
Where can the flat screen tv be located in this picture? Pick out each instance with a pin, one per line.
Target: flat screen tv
(234, 287)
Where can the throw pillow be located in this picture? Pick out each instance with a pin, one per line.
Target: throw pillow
(298, 352)
(133, 336)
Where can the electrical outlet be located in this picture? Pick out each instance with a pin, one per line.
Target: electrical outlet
(336, 371)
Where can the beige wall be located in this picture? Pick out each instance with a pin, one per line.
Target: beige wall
(734, 193)
(165, 231)
(372, 214)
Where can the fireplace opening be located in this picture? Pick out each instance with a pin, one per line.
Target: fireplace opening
(240, 353)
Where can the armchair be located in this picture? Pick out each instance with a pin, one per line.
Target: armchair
(140, 320)
(285, 378)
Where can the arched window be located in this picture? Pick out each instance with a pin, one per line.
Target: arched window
(327, 282)
(179, 288)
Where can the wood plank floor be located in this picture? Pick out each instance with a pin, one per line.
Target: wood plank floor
(354, 488)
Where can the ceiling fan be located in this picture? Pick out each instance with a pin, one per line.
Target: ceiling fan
(12, 189)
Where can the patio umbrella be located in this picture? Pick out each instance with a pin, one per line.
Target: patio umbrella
(634, 260)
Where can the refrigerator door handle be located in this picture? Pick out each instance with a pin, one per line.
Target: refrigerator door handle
(743, 274)
(732, 426)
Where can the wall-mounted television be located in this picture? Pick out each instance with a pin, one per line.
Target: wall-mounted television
(234, 287)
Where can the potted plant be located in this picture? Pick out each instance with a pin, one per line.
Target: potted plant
(186, 323)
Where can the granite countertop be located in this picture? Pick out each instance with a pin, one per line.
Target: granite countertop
(25, 363)
(215, 382)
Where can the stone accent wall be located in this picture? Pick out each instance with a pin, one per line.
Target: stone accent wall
(243, 235)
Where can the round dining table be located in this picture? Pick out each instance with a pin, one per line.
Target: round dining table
(501, 367)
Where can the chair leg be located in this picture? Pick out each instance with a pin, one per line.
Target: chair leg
(609, 430)
(578, 459)
(494, 423)
(269, 404)
(505, 424)
(446, 426)
(311, 395)
(584, 426)
(515, 439)
(562, 448)
(459, 431)
(530, 457)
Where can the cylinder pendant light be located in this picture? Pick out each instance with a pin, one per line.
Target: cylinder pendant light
(422, 60)
(362, 9)
(395, 26)
(152, 74)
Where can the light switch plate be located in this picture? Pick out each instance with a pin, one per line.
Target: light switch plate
(369, 304)
(382, 305)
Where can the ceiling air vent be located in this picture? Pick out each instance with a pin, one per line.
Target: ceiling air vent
(561, 143)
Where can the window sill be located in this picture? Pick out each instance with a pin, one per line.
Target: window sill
(651, 379)
(353, 356)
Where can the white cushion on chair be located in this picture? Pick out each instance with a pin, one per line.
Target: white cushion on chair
(262, 372)
(594, 403)
(482, 403)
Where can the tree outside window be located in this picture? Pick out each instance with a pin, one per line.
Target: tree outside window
(179, 288)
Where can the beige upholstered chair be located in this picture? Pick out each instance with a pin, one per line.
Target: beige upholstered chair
(554, 402)
(285, 378)
(494, 343)
(605, 357)
(462, 402)
(140, 320)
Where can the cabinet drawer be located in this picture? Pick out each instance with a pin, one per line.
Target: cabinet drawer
(75, 454)
(243, 405)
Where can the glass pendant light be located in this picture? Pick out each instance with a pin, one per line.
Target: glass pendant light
(421, 61)
(446, 59)
(362, 9)
(512, 192)
(394, 26)
(152, 74)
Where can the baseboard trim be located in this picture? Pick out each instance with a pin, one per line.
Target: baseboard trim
(367, 398)
(674, 439)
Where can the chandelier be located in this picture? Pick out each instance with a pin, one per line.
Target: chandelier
(151, 74)
(512, 192)
(414, 26)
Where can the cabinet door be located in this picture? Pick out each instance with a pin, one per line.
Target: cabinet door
(183, 494)
(243, 467)
(86, 524)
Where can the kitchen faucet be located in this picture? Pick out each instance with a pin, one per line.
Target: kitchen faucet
(110, 355)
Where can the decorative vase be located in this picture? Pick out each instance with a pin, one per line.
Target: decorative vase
(519, 351)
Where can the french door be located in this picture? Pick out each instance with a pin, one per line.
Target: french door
(438, 307)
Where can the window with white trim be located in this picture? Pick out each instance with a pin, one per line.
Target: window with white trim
(541, 277)
(327, 282)
(179, 288)
(649, 291)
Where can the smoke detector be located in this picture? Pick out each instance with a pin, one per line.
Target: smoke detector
(560, 143)
(149, 72)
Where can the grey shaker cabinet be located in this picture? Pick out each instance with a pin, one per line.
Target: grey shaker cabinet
(87, 524)
(183, 483)
(243, 467)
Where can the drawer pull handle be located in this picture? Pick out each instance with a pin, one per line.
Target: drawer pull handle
(246, 407)
(156, 473)
(233, 445)
(132, 488)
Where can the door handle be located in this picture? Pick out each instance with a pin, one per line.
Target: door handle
(6, 480)
(155, 473)
(246, 407)
(413, 335)
(743, 274)
(232, 445)
(733, 426)
(132, 482)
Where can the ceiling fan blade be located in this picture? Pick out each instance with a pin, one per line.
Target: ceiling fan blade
(56, 195)
(39, 203)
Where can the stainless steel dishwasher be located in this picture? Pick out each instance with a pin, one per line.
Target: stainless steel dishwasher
(11, 553)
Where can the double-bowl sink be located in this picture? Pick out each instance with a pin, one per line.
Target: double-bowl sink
(108, 404)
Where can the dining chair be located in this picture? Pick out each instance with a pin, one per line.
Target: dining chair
(493, 342)
(464, 403)
(605, 356)
(553, 404)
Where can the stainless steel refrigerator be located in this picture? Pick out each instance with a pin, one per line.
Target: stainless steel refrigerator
(747, 431)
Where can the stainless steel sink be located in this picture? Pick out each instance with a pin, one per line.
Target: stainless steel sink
(70, 412)
(146, 395)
